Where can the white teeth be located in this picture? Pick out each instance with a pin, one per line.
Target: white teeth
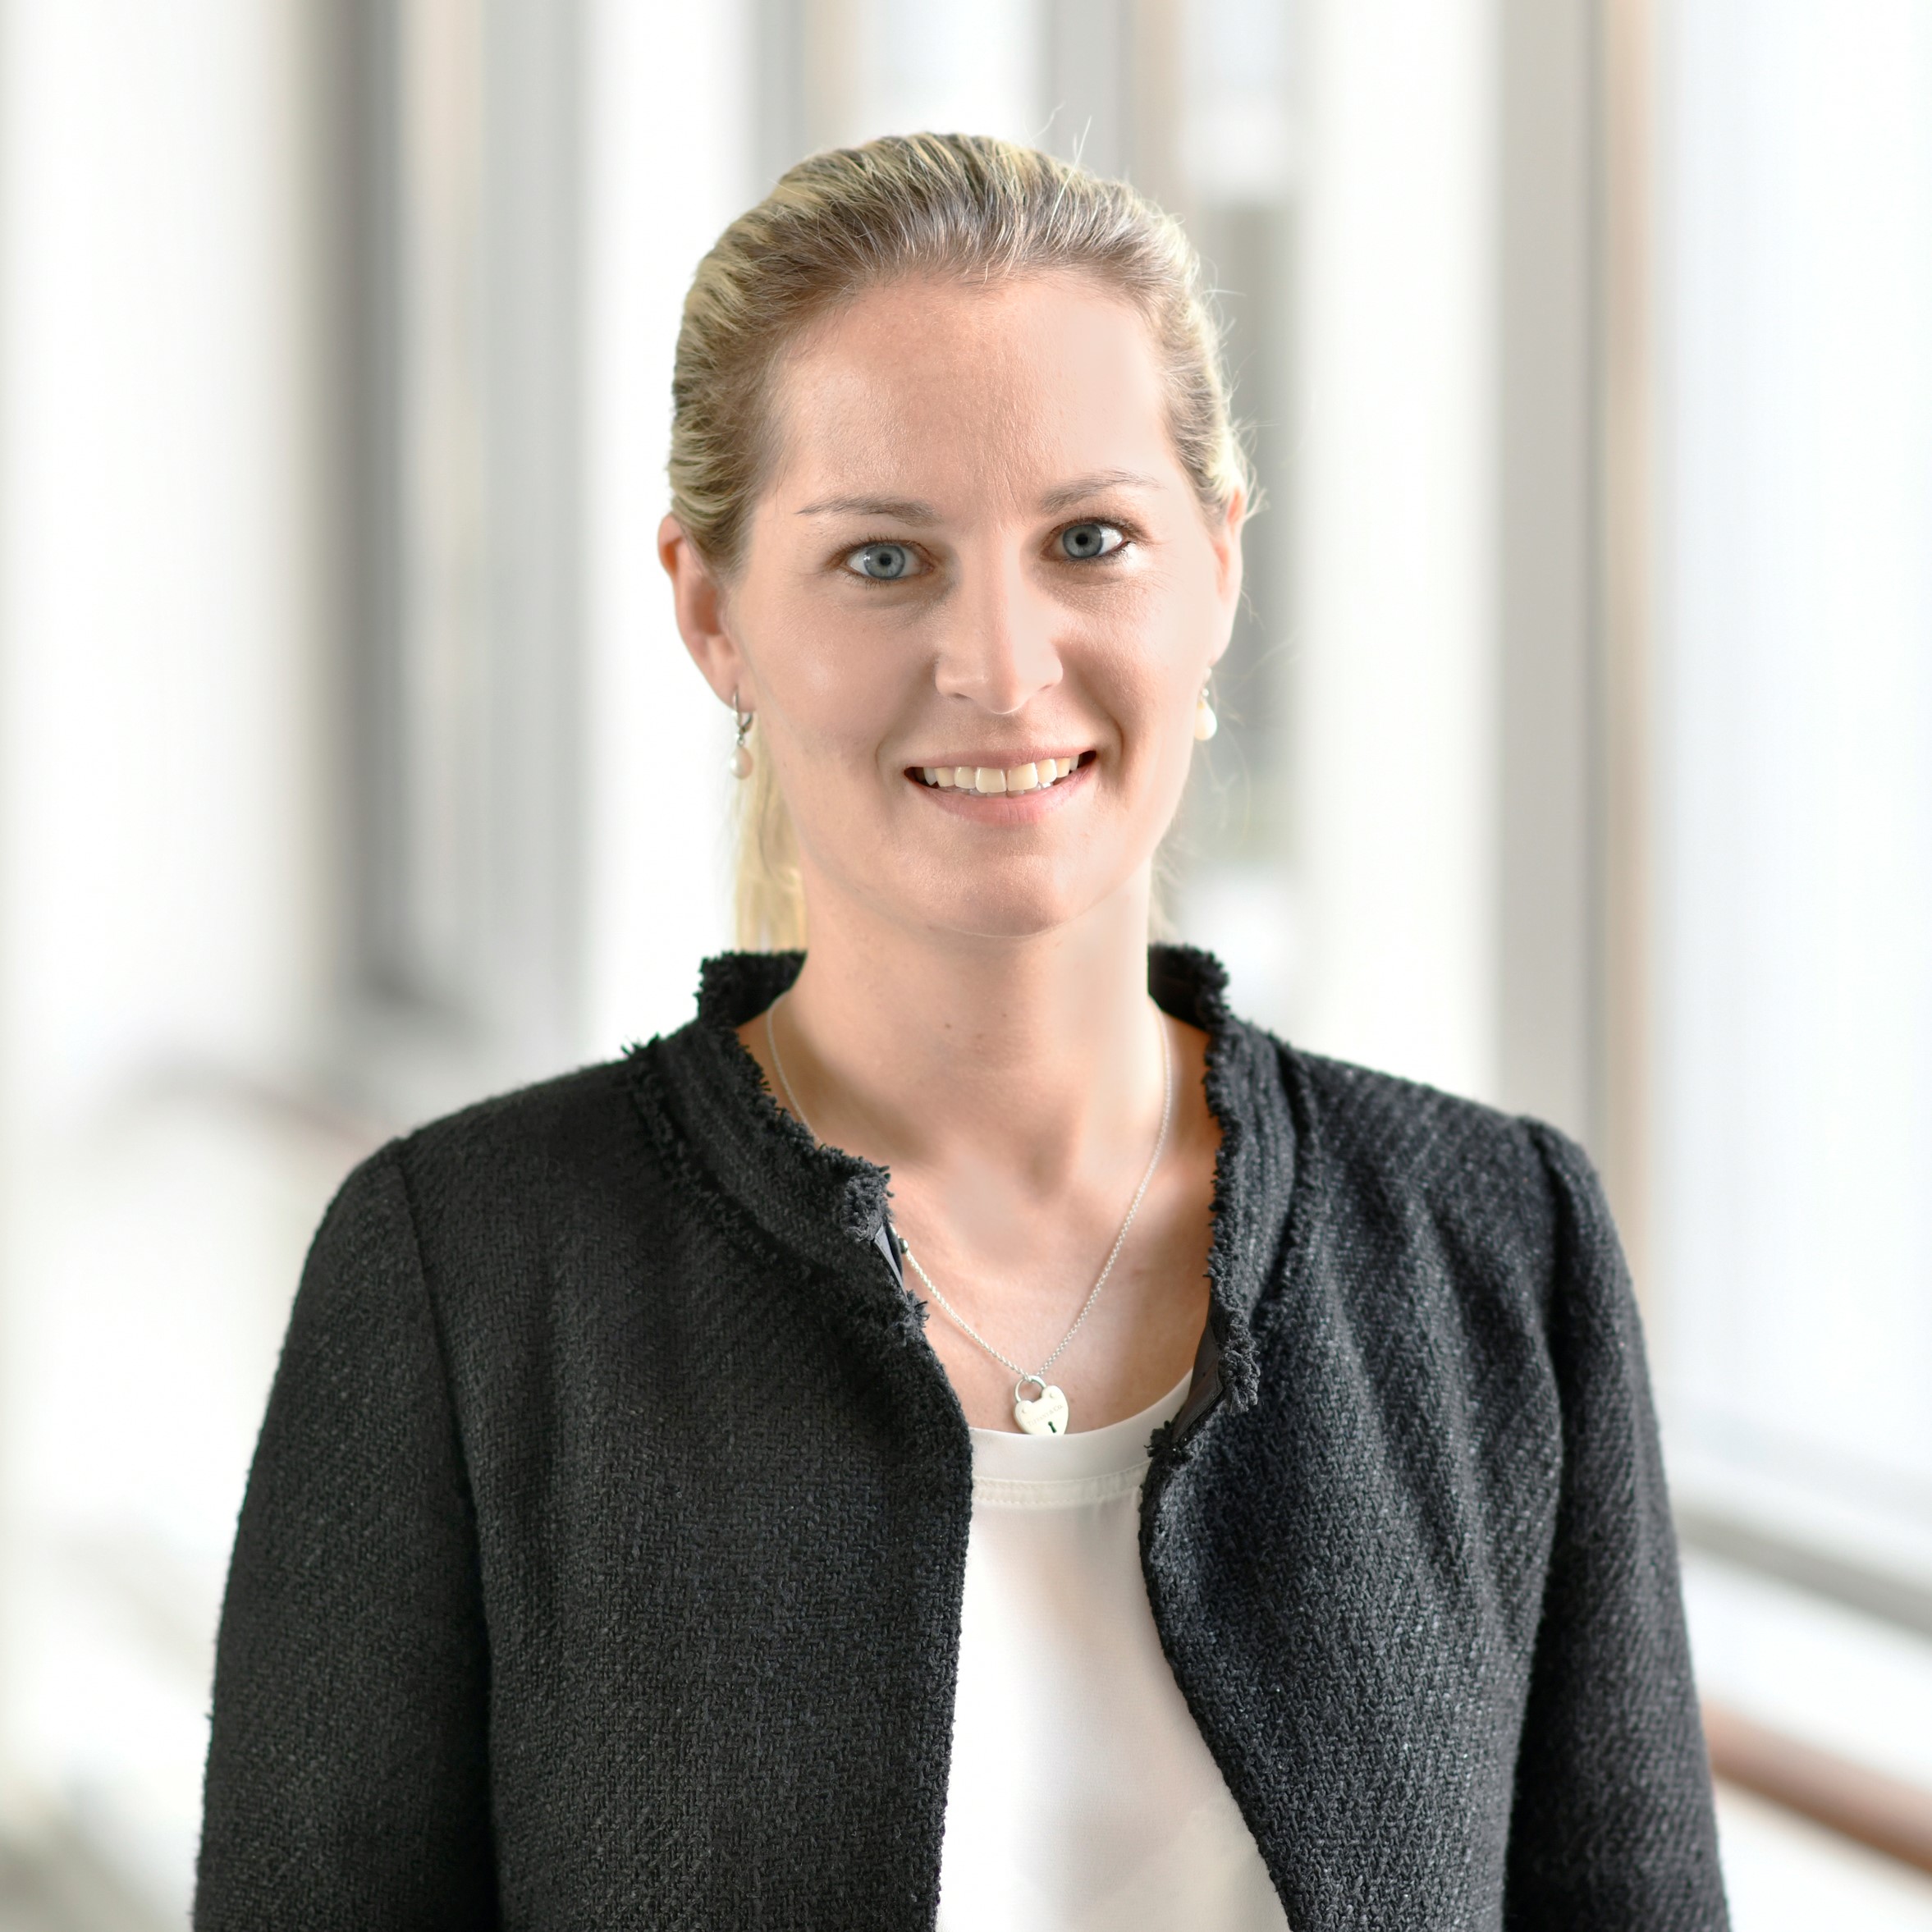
(990, 781)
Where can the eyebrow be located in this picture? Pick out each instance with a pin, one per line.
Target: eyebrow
(905, 509)
(914, 510)
(1082, 487)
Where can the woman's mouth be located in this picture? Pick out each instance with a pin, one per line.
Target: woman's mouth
(1000, 781)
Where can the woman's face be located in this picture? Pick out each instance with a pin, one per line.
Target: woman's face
(977, 554)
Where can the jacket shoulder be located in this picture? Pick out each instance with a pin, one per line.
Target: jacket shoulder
(537, 1121)
(1424, 1128)
(1480, 1180)
(496, 1171)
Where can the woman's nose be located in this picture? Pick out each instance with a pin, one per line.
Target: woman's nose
(997, 647)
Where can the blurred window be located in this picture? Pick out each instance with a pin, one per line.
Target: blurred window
(1794, 1125)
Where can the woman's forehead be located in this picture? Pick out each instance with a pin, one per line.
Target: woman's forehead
(1016, 387)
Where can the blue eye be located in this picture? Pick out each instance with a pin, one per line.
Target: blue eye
(1090, 540)
(884, 563)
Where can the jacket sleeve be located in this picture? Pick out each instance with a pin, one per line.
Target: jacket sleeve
(1612, 1824)
(347, 1772)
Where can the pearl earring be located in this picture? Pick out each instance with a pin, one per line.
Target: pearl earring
(1206, 723)
(740, 752)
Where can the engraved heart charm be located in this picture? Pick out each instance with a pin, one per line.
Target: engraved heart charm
(1045, 1414)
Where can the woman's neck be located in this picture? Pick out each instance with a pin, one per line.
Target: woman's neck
(1039, 1055)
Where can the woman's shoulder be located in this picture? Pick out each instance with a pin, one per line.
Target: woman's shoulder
(1473, 1184)
(530, 1137)
(1432, 1134)
(496, 1174)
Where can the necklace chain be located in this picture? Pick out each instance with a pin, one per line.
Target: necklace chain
(1038, 1375)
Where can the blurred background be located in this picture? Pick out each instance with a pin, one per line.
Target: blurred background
(1578, 752)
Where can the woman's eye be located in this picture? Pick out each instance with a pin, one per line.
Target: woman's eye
(883, 563)
(1086, 540)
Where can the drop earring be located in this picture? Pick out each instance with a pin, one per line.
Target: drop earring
(1206, 723)
(740, 752)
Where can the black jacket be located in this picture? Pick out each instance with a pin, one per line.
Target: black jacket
(601, 1562)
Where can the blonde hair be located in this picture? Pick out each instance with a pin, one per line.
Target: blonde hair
(963, 207)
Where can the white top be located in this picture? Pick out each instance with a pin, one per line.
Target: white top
(1082, 1795)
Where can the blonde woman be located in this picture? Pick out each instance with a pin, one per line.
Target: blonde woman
(967, 1432)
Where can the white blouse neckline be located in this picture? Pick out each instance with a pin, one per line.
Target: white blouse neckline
(1016, 1472)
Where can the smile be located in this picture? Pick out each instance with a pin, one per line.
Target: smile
(993, 780)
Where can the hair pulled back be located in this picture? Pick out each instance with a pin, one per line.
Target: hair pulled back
(959, 207)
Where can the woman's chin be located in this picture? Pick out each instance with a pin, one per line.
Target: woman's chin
(930, 897)
(1011, 909)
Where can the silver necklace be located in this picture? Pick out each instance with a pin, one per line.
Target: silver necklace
(1046, 1413)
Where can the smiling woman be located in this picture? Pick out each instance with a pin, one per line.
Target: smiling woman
(1118, 365)
(1256, 1520)
(975, 575)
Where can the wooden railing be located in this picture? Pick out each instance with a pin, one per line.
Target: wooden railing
(1877, 1810)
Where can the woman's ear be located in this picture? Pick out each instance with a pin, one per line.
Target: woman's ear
(700, 603)
(1224, 536)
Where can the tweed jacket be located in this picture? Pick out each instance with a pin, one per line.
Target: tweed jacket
(601, 1559)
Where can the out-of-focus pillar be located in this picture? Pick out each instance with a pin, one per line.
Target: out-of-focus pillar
(1550, 918)
(669, 95)
(1396, 739)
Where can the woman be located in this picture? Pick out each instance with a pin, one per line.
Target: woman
(948, 1437)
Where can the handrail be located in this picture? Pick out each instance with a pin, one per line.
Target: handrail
(1873, 1807)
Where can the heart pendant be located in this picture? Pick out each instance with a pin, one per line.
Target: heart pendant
(1045, 1414)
